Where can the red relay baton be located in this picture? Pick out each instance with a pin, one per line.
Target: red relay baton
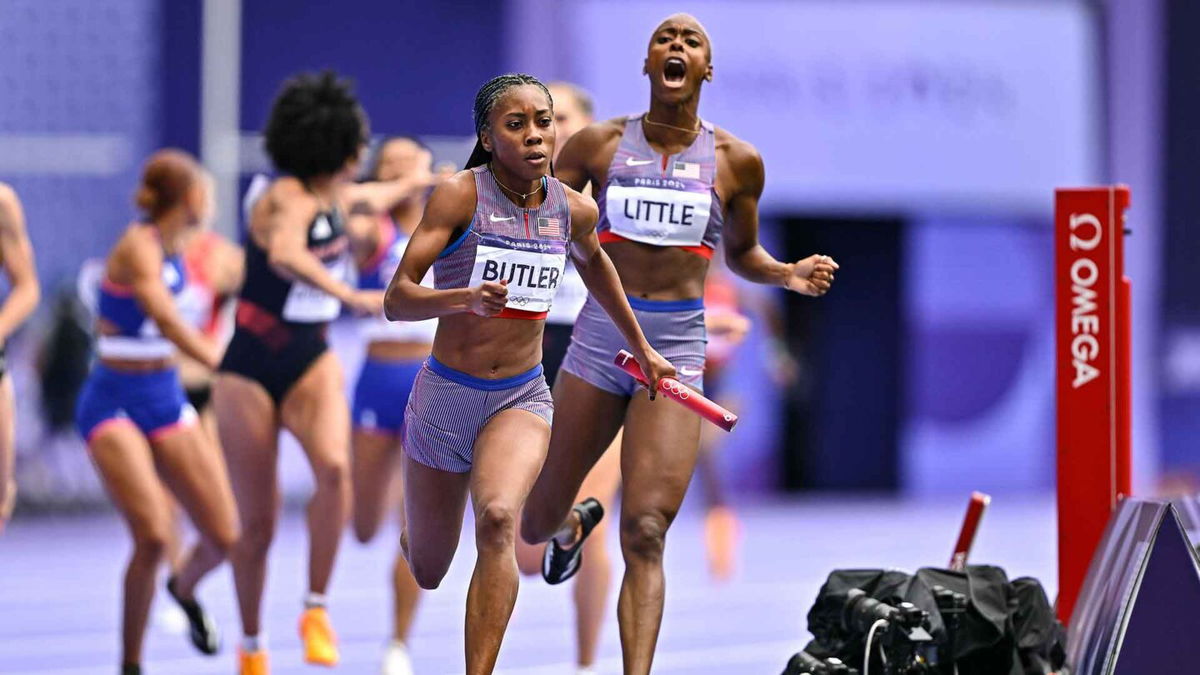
(676, 390)
(966, 536)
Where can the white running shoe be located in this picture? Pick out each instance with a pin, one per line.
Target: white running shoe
(171, 620)
(396, 660)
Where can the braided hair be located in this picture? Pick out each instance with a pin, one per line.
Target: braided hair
(485, 101)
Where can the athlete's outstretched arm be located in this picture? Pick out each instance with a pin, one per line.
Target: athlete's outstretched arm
(743, 252)
(449, 211)
(383, 195)
(17, 257)
(287, 246)
(366, 201)
(600, 277)
(142, 254)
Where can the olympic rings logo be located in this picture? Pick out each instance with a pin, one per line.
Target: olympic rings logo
(679, 389)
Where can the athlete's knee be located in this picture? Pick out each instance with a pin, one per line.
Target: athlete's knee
(223, 540)
(495, 526)
(331, 473)
(365, 526)
(256, 535)
(428, 572)
(644, 535)
(150, 544)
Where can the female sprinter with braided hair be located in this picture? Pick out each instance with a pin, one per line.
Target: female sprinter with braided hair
(668, 184)
(141, 432)
(278, 370)
(478, 420)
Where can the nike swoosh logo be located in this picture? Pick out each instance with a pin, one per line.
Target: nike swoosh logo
(497, 219)
(629, 161)
(689, 371)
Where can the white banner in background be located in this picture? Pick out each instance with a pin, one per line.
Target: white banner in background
(870, 104)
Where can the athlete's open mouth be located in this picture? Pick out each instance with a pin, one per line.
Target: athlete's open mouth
(674, 70)
(535, 157)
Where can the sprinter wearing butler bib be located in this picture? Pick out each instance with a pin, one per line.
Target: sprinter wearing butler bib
(667, 184)
(478, 420)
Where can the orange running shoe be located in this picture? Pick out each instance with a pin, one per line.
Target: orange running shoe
(320, 642)
(253, 663)
(721, 539)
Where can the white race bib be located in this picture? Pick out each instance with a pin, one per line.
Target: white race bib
(309, 304)
(569, 299)
(532, 276)
(658, 216)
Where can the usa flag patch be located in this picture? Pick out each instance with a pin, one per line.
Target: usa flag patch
(686, 170)
(549, 227)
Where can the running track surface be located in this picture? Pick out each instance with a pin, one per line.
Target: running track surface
(60, 584)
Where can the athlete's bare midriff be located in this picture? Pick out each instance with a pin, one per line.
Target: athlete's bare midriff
(657, 272)
(138, 365)
(488, 348)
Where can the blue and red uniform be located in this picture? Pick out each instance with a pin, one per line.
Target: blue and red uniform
(151, 400)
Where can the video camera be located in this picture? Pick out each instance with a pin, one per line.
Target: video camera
(906, 646)
(803, 663)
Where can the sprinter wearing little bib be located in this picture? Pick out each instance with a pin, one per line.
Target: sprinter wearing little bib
(669, 186)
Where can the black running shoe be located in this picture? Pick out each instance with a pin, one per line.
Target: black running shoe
(131, 669)
(204, 634)
(560, 564)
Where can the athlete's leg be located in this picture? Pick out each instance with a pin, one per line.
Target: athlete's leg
(595, 576)
(193, 468)
(373, 463)
(720, 522)
(8, 483)
(591, 586)
(125, 463)
(203, 557)
(249, 437)
(658, 456)
(509, 452)
(586, 419)
(405, 591)
(433, 511)
(315, 411)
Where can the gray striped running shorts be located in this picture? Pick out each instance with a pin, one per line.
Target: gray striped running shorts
(448, 408)
(673, 327)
